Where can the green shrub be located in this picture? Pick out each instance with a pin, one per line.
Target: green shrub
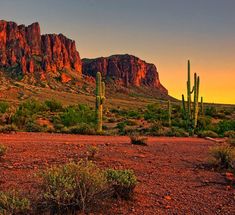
(231, 142)
(75, 115)
(8, 128)
(177, 132)
(122, 181)
(138, 140)
(3, 150)
(225, 125)
(32, 126)
(92, 151)
(121, 127)
(3, 107)
(53, 105)
(26, 111)
(222, 156)
(230, 134)
(210, 111)
(82, 129)
(12, 203)
(155, 112)
(208, 134)
(72, 185)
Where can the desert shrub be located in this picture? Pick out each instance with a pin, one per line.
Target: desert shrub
(177, 132)
(32, 126)
(82, 129)
(130, 122)
(8, 128)
(222, 156)
(112, 120)
(26, 111)
(3, 150)
(3, 107)
(208, 133)
(230, 134)
(53, 105)
(122, 181)
(92, 151)
(225, 125)
(210, 111)
(133, 114)
(155, 129)
(72, 185)
(203, 123)
(154, 112)
(138, 140)
(231, 142)
(121, 127)
(75, 115)
(12, 203)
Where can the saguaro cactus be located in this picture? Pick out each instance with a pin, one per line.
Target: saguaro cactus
(202, 107)
(169, 113)
(100, 98)
(191, 115)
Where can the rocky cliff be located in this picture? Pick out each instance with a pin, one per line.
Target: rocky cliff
(128, 69)
(32, 52)
(35, 57)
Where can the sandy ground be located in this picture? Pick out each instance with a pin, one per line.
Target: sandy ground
(171, 179)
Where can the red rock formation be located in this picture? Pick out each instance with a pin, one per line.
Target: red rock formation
(126, 68)
(24, 46)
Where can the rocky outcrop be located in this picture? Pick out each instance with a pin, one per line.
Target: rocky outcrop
(25, 47)
(128, 69)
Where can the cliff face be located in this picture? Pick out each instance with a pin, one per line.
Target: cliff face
(24, 50)
(128, 69)
(33, 52)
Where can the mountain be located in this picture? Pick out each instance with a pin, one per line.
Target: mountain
(128, 69)
(53, 59)
(26, 51)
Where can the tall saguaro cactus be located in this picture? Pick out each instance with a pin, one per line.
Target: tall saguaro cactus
(100, 98)
(191, 115)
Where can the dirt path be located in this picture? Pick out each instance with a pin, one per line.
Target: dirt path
(170, 181)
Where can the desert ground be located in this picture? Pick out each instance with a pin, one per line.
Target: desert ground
(173, 177)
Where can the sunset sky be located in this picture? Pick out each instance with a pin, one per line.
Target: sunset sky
(164, 32)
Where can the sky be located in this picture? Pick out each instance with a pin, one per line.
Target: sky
(164, 32)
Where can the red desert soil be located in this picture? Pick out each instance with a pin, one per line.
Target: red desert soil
(170, 180)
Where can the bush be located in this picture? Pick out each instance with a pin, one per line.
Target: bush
(12, 203)
(177, 132)
(138, 140)
(121, 127)
(72, 185)
(75, 115)
(208, 134)
(3, 150)
(32, 126)
(230, 134)
(3, 107)
(211, 111)
(82, 129)
(231, 142)
(122, 181)
(225, 125)
(53, 105)
(154, 112)
(222, 156)
(92, 151)
(8, 129)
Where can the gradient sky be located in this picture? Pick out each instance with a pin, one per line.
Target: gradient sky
(163, 32)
